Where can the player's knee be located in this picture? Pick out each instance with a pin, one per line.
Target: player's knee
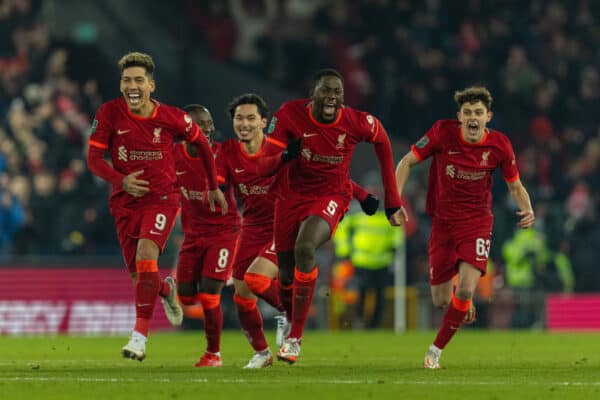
(304, 252)
(463, 294)
(441, 303)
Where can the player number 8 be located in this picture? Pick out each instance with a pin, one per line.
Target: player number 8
(223, 255)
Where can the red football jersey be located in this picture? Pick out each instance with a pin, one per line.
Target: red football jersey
(196, 216)
(460, 176)
(137, 143)
(324, 163)
(256, 192)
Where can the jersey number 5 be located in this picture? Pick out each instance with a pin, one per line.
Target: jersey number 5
(331, 208)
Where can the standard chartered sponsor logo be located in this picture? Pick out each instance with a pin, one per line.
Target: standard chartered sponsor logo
(452, 172)
(138, 155)
(309, 156)
(253, 190)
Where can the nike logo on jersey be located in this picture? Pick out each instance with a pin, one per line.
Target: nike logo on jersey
(180, 172)
(453, 152)
(309, 134)
(155, 233)
(239, 170)
(122, 131)
(480, 259)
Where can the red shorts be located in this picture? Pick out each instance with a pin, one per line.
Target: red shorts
(151, 223)
(452, 242)
(294, 209)
(208, 256)
(255, 241)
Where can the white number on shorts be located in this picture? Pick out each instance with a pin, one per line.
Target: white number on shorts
(223, 256)
(160, 222)
(331, 207)
(482, 247)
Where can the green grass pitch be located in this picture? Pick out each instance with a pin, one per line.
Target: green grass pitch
(333, 365)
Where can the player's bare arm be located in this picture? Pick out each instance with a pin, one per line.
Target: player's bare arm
(521, 197)
(134, 186)
(217, 197)
(402, 173)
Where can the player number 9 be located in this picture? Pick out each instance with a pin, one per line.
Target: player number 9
(160, 222)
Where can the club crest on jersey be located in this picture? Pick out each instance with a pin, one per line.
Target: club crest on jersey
(422, 142)
(272, 125)
(156, 133)
(340, 141)
(484, 158)
(189, 122)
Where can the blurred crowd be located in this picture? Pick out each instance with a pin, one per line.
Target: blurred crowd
(49, 203)
(401, 59)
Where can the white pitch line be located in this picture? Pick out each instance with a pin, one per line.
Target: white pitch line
(296, 381)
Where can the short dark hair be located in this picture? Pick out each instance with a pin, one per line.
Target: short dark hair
(472, 95)
(322, 73)
(137, 59)
(195, 107)
(249, 98)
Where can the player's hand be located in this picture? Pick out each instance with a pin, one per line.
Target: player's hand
(292, 150)
(134, 186)
(527, 219)
(216, 196)
(397, 216)
(370, 204)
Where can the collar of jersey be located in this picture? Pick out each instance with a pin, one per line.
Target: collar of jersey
(132, 115)
(258, 153)
(320, 124)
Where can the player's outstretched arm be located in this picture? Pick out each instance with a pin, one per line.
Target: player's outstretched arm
(521, 197)
(368, 202)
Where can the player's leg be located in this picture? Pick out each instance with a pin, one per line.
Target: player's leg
(286, 263)
(252, 325)
(261, 277)
(209, 294)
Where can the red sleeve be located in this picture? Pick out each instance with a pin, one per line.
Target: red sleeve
(208, 159)
(99, 141)
(269, 165)
(429, 143)
(221, 164)
(99, 166)
(358, 192)
(383, 150)
(510, 172)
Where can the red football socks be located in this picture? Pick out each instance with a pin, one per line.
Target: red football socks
(304, 288)
(213, 320)
(452, 320)
(251, 322)
(146, 292)
(265, 288)
(285, 294)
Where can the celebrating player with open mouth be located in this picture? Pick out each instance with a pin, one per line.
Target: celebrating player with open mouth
(465, 154)
(138, 132)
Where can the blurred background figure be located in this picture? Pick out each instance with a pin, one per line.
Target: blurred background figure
(369, 242)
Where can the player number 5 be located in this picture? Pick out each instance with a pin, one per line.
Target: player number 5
(331, 208)
(482, 247)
